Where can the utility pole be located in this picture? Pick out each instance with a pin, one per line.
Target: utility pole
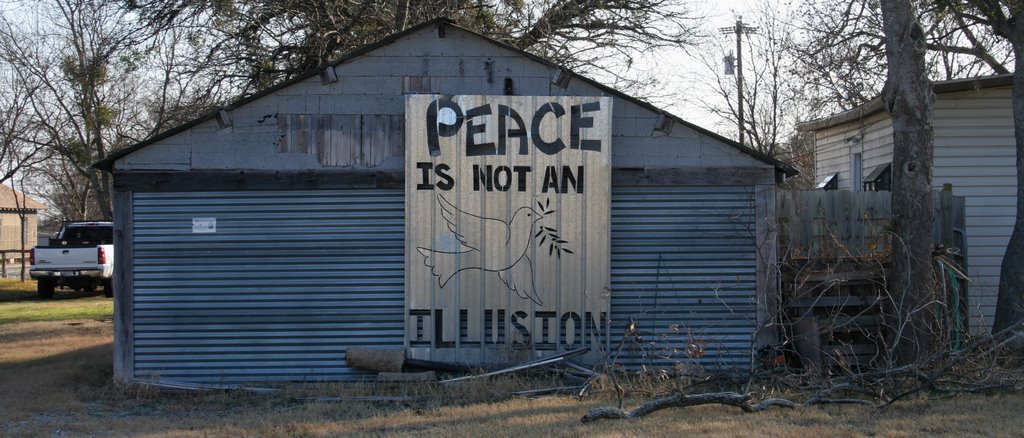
(739, 29)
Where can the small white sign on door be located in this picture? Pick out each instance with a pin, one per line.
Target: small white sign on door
(204, 225)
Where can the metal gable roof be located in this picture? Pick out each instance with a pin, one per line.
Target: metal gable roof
(107, 163)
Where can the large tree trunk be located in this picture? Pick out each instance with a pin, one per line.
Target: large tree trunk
(104, 201)
(1010, 303)
(909, 97)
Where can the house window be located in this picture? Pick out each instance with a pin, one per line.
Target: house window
(856, 171)
(880, 178)
(829, 182)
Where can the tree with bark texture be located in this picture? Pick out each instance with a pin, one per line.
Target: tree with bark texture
(98, 84)
(908, 96)
(1006, 19)
(253, 44)
(76, 104)
(59, 183)
(22, 144)
(841, 48)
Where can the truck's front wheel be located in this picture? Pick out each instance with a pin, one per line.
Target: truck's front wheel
(45, 288)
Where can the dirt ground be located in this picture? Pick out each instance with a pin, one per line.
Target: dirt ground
(55, 380)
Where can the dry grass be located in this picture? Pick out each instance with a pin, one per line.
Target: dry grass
(55, 380)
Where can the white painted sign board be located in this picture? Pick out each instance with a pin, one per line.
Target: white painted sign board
(204, 225)
(507, 226)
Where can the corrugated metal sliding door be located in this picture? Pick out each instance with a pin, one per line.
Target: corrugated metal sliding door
(265, 285)
(684, 269)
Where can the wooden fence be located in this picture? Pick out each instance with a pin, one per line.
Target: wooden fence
(834, 248)
(10, 264)
(836, 224)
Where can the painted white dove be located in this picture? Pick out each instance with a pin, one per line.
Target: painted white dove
(515, 235)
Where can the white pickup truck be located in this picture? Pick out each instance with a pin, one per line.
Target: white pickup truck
(81, 257)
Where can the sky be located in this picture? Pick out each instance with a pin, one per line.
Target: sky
(685, 77)
(679, 72)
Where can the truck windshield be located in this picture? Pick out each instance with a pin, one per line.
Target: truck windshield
(87, 236)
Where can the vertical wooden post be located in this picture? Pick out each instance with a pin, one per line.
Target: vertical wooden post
(739, 76)
(124, 339)
(768, 290)
(24, 238)
(946, 211)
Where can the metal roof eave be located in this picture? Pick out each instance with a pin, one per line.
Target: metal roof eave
(875, 106)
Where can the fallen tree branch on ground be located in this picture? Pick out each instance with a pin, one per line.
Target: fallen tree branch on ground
(741, 401)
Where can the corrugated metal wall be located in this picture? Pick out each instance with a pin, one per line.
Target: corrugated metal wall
(684, 268)
(291, 279)
(287, 282)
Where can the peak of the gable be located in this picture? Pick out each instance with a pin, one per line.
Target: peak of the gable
(436, 57)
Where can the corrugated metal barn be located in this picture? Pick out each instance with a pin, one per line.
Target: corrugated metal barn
(260, 242)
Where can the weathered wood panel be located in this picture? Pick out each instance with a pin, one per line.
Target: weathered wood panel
(343, 140)
(766, 237)
(124, 290)
(507, 219)
(836, 224)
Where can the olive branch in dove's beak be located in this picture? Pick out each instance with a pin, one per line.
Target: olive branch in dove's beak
(556, 245)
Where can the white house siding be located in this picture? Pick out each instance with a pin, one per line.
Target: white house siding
(872, 136)
(974, 151)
